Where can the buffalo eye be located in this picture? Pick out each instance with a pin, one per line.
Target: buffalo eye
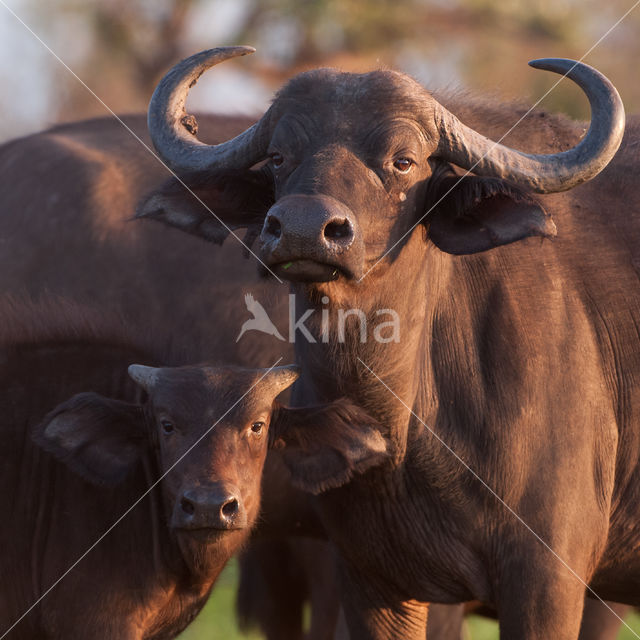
(403, 165)
(167, 426)
(257, 427)
(277, 159)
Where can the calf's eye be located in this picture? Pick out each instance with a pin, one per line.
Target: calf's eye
(257, 428)
(167, 426)
(277, 159)
(403, 164)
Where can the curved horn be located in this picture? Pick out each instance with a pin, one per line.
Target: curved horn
(543, 173)
(168, 121)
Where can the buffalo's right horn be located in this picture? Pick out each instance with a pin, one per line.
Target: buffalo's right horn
(168, 121)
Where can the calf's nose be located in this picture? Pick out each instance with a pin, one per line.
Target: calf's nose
(209, 508)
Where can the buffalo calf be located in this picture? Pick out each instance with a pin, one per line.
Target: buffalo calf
(137, 506)
(173, 482)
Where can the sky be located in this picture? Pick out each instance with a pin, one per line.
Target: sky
(31, 75)
(482, 56)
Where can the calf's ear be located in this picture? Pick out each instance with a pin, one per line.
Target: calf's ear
(96, 437)
(199, 204)
(326, 445)
(472, 214)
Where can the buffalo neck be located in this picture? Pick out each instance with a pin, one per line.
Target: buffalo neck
(408, 285)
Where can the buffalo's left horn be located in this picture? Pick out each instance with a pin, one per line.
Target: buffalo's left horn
(543, 173)
(167, 120)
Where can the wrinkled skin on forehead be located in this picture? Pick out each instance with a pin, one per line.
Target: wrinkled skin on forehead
(332, 145)
(377, 116)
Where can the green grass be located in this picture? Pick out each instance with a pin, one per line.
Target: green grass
(217, 620)
(483, 629)
(634, 622)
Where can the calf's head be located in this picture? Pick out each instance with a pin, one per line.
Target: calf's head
(352, 162)
(206, 432)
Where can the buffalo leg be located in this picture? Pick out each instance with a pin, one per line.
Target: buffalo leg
(374, 612)
(317, 562)
(272, 591)
(539, 604)
(599, 623)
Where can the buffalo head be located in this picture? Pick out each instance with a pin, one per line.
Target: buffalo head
(203, 434)
(343, 165)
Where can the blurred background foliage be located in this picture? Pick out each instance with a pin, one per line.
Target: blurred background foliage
(120, 49)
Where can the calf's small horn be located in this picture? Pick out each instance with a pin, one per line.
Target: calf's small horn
(146, 377)
(280, 377)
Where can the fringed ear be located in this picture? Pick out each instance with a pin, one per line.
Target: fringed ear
(96, 437)
(326, 445)
(473, 214)
(239, 201)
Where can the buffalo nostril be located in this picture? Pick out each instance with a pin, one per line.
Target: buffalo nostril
(273, 227)
(338, 230)
(230, 508)
(187, 506)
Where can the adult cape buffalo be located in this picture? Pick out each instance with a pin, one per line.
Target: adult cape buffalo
(521, 357)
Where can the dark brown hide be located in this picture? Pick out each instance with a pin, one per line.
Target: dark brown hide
(521, 358)
(67, 202)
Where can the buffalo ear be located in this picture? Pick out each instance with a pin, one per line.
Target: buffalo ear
(474, 214)
(96, 437)
(238, 201)
(326, 445)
